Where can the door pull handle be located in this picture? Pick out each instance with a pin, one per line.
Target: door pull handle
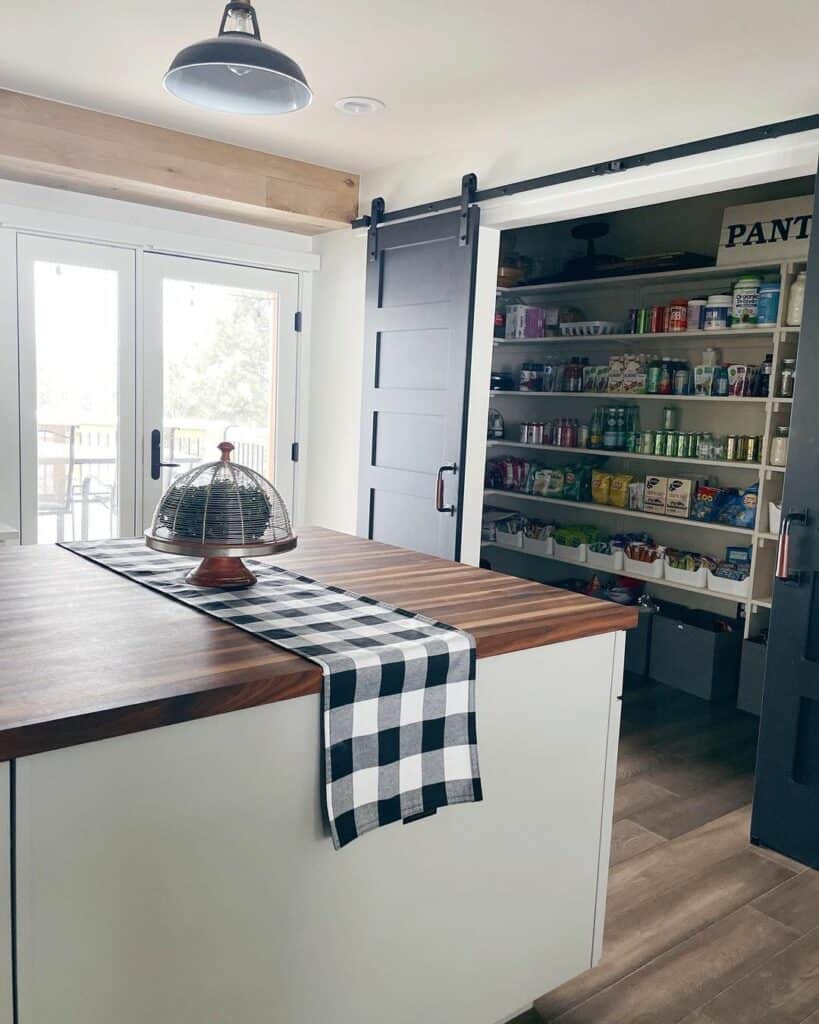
(439, 489)
(783, 570)
(156, 456)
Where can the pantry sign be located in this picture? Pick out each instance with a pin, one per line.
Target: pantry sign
(778, 230)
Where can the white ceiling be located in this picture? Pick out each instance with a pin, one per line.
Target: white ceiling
(453, 74)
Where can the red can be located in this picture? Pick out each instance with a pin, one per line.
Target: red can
(655, 319)
(678, 315)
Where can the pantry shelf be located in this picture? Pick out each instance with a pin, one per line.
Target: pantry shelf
(761, 334)
(753, 467)
(613, 510)
(633, 397)
(658, 277)
(702, 591)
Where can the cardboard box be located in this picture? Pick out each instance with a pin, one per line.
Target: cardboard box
(654, 496)
(679, 496)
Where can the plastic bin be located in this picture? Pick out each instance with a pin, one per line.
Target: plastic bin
(735, 588)
(570, 554)
(509, 540)
(751, 676)
(690, 654)
(544, 548)
(774, 517)
(608, 563)
(697, 578)
(643, 570)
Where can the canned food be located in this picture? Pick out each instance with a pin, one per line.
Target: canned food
(731, 447)
(677, 315)
(659, 442)
(643, 320)
(656, 317)
(669, 417)
(742, 447)
(754, 448)
(671, 442)
(682, 445)
(537, 433)
(680, 384)
(647, 442)
(693, 445)
(524, 433)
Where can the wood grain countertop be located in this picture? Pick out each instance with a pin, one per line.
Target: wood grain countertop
(86, 654)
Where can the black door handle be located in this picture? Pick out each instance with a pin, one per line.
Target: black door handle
(439, 489)
(783, 551)
(156, 456)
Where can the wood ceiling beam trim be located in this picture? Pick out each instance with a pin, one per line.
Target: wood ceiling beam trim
(55, 144)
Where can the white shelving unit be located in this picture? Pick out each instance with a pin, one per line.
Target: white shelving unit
(609, 298)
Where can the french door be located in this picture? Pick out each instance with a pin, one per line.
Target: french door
(220, 360)
(132, 368)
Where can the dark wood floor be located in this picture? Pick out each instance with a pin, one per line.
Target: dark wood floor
(702, 927)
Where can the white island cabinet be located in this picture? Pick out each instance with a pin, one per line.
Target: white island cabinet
(185, 875)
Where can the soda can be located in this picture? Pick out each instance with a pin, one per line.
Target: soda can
(754, 448)
(537, 433)
(693, 445)
(659, 442)
(643, 320)
(682, 445)
(680, 384)
(632, 320)
(671, 442)
(742, 448)
(524, 433)
(731, 446)
(656, 315)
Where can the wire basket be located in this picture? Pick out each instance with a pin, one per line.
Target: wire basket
(221, 512)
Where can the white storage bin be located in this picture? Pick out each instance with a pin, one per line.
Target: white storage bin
(538, 547)
(736, 588)
(774, 517)
(697, 578)
(570, 554)
(608, 563)
(644, 570)
(509, 540)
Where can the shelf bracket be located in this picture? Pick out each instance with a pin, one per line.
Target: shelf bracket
(469, 186)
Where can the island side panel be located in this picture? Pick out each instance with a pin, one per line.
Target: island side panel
(6, 1002)
(185, 874)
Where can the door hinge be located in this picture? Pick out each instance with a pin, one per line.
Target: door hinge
(376, 213)
(297, 322)
(469, 186)
(294, 451)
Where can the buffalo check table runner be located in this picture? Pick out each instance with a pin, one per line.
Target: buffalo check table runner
(398, 693)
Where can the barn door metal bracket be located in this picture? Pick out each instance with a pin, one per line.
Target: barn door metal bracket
(469, 186)
(376, 213)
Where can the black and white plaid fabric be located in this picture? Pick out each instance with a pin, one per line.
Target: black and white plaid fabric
(399, 688)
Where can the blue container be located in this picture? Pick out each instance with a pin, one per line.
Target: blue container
(768, 306)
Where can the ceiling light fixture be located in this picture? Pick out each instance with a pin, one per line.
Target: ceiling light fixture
(236, 72)
(356, 105)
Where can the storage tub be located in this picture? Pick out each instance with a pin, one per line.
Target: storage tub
(509, 540)
(570, 554)
(538, 547)
(736, 588)
(697, 578)
(689, 653)
(608, 563)
(644, 570)
(774, 517)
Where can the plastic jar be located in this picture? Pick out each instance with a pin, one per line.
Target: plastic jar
(746, 297)
(767, 310)
(779, 448)
(717, 312)
(677, 315)
(696, 314)
(796, 300)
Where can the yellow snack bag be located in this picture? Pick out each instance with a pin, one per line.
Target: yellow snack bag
(601, 486)
(618, 491)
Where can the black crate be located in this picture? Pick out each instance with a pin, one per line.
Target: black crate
(751, 676)
(690, 652)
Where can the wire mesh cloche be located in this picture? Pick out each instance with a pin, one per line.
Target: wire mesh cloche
(221, 512)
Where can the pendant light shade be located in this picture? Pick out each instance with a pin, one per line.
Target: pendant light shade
(236, 72)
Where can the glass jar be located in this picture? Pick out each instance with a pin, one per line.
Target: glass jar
(796, 300)
(787, 378)
(779, 447)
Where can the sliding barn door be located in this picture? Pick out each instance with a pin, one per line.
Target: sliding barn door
(420, 289)
(786, 797)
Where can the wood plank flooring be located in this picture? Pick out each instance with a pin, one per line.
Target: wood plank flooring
(702, 927)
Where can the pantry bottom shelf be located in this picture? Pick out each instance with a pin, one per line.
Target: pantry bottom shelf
(702, 591)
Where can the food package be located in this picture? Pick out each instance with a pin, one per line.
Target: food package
(737, 377)
(618, 490)
(537, 529)
(557, 481)
(738, 508)
(644, 551)
(540, 481)
(636, 495)
(524, 322)
(601, 486)
(707, 502)
(574, 536)
(654, 495)
(703, 379)
(577, 485)
(680, 496)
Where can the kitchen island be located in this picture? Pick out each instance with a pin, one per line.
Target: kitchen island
(171, 862)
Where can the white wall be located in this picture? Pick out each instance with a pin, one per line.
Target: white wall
(336, 368)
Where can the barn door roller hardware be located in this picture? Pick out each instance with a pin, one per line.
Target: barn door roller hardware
(469, 186)
(376, 214)
(654, 156)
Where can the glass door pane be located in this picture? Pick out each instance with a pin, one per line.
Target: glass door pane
(76, 351)
(220, 365)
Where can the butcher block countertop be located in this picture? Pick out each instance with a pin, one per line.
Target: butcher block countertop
(86, 654)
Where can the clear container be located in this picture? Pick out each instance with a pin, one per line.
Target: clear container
(796, 300)
(787, 378)
(779, 447)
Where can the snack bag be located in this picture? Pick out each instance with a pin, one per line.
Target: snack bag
(557, 480)
(540, 480)
(601, 486)
(618, 489)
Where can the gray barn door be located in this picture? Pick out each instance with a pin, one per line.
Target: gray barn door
(416, 362)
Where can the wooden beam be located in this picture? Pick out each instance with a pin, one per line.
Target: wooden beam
(48, 143)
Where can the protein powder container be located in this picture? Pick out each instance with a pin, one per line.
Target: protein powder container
(718, 312)
(746, 297)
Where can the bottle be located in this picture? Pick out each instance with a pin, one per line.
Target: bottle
(596, 429)
(787, 378)
(610, 428)
(653, 375)
(765, 376)
(779, 447)
(796, 300)
(666, 377)
(719, 385)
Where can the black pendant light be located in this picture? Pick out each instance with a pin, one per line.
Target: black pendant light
(236, 72)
